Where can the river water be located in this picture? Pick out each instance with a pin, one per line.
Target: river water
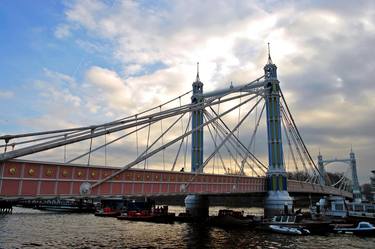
(28, 228)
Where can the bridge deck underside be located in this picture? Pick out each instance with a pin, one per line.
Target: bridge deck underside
(30, 179)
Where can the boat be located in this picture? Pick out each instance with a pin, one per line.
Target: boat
(146, 211)
(110, 207)
(65, 206)
(298, 221)
(289, 230)
(338, 210)
(231, 218)
(107, 212)
(362, 229)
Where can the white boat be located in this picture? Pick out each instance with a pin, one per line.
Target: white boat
(363, 228)
(337, 207)
(289, 230)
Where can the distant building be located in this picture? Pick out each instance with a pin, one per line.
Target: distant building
(373, 184)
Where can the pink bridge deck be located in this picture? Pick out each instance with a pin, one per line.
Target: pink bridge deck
(31, 179)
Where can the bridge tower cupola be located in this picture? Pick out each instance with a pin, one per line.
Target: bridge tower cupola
(270, 69)
(197, 86)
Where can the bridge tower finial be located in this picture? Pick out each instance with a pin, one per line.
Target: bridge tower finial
(197, 71)
(269, 55)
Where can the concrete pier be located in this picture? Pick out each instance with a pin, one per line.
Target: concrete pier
(197, 205)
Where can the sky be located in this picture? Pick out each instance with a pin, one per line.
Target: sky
(74, 63)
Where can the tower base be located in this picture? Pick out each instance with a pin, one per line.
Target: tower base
(197, 205)
(277, 203)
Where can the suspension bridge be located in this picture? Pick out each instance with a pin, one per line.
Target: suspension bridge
(197, 144)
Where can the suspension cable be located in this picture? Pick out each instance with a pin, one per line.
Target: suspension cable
(179, 148)
(252, 156)
(231, 142)
(162, 138)
(294, 124)
(149, 154)
(214, 159)
(88, 160)
(166, 114)
(214, 140)
(148, 140)
(289, 144)
(226, 146)
(229, 135)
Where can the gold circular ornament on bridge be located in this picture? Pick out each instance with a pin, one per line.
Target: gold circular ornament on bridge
(79, 174)
(31, 172)
(12, 171)
(93, 174)
(49, 172)
(64, 173)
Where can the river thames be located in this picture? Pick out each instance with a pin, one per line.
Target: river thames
(28, 228)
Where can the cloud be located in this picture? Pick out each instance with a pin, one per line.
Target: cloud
(63, 31)
(113, 89)
(322, 50)
(6, 94)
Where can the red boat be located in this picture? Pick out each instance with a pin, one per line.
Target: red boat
(107, 212)
(155, 214)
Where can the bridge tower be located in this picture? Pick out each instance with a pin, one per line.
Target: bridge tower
(277, 196)
(351, 161)
(197, 205)
(197, 120)
(357, 196)
(322, 174)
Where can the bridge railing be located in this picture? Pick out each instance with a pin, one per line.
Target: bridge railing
(30, 179)
(305, 187)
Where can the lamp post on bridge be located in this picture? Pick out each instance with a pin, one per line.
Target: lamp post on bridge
(278, 200)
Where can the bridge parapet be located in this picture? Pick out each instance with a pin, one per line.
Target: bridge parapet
(305, 187)
(30, 179)
(20, 179)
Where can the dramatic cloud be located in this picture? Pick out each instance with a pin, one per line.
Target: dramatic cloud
(323, 51)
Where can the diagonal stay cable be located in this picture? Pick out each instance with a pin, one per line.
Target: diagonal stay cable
(180, 146)
(108, 124)
(229, 135)
(234, 140)
(252, 156)
(151, 153)
(200, 169)
(225, 145)
(214, 141)
(157, 117)
(125, 135)
(289, 143)
(241, 166)
(294, 124)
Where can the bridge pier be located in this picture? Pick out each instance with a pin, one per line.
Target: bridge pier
(277, 203)
(197, 206)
